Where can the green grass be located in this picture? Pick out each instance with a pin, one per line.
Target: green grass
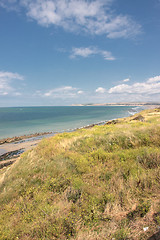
(96, 183)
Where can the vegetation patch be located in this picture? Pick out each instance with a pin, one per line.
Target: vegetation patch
(140, 211)
(95, 183)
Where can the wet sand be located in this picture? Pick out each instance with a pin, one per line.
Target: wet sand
(24, 137)
(10, 147)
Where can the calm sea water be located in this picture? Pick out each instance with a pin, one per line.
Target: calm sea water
(26, 120)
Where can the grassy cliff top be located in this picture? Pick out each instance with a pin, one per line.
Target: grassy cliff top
(97, 183)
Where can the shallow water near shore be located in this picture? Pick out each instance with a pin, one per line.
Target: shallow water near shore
(2, 151)
(19, 121)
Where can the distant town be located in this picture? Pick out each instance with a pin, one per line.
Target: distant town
(120, 104)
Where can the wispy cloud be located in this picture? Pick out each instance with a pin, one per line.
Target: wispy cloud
(82, 52)
(6, 79)
(90, 51)
(63, 92)
(149, 87)
(107, 55)
(94, 17)
(10, 5)
(126, 80)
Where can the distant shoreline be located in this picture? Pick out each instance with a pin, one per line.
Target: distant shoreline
(12, 148)
(41, 126)
(40, 135)
(152, 105)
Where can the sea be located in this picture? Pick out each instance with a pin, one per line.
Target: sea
(18, 121)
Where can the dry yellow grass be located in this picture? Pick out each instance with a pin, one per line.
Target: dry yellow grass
(98, 183)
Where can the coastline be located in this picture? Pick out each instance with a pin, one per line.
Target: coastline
(12, 148)
(70, 169)
(15, 146)
(17, 138)
(23, 137)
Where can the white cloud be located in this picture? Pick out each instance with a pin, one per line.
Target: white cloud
(83, 52)
(151, 86)
(120, 89)
(80, 92)
(107, 55)
(10, 5)
(89, 51)
(10, 75)
(93, 17)
(100, 90)
(126, 80)
(154, 79)
(6, 79)
(63, 92)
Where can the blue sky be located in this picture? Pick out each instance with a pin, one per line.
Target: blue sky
(63, 52)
